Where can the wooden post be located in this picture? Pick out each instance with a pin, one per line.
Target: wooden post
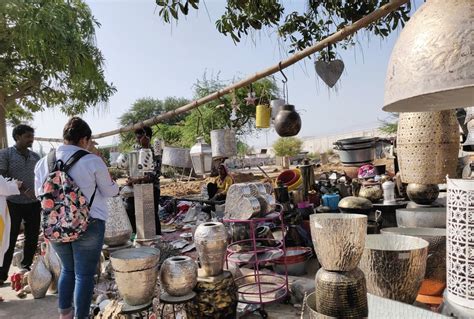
(144, 211)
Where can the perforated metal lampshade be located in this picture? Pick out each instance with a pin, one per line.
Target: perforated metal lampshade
(432, 64)
(201, 157)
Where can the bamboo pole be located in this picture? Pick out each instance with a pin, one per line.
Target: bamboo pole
(49, 139)
(335, 37)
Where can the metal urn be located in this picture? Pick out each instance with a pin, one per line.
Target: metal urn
(432, 66)
(39, 278)
(201, 157)
(176, 157)
(118, 229)
(394, 266)
(422, 194)
(288, 121)
(427, 146)
(178, 275)
(338, 239)
(341, 294)
(223, 143)
(136, 273)
(211, 244)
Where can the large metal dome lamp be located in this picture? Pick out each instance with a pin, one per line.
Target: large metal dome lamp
(201, 156)
(432, 64)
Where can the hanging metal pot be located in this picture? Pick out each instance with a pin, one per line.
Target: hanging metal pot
(176, 157)
(223, 143)
(262, 116)
(431, 66)
(287, 121)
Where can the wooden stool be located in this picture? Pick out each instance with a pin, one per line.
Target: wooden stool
(140, 311)
(166, 299)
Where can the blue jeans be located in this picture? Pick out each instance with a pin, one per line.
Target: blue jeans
(79, 264)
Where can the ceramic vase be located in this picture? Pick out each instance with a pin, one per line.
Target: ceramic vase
(178, 275)
(117, 228)
(39, 278)
(211, 244)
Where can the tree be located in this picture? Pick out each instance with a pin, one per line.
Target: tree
(48, 58)
(287, 146)
(148, 107)
(390, 126)
(299, 29)
(244, 149)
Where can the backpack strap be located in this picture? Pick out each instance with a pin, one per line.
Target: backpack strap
(73, 160)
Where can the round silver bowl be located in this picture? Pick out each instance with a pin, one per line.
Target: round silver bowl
(427, 217)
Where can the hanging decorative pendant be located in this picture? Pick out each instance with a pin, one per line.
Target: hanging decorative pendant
(329, 72)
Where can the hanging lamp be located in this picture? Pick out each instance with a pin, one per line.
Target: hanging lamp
(432, 64)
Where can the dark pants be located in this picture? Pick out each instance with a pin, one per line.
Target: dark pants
(31, 214)
(212, 190)
(130, 208)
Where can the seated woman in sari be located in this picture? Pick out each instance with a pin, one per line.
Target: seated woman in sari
(217, 191)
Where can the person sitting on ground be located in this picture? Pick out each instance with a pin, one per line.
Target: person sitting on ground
(217, 191)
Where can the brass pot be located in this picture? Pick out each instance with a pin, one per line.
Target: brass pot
(211, 244)
(394, 266)
(422, 194)
(341, 294)
(178, 275)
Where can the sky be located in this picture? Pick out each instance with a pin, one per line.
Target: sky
(145, 57)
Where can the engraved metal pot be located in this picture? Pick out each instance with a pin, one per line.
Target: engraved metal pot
(394, 266)
(223, 143)
(310, 303)
(427, 146)
(118, 229)
(53, 264)
(431, 217)
(341, 294)
(435, 275)
(39, 278)
(176, 157)
(353, 204)
(211, 244)
(338, 239)
(422, 194)
(136, 273)
(431, 66)
(178, 275)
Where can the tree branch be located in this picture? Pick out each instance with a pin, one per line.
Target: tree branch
(23, 90)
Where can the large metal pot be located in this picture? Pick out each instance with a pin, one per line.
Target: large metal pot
(211, 244)
(223, 143)
(431, 217)
(338, 239)
(394, 266)
(287, 121)
(310, 302)
(178, 275)
(136, 273)
(358, 150)
(39, 278)
(117, 228)
(435, 276)
(341, 294)
(176, 157)
(422, 194)
(355, 205)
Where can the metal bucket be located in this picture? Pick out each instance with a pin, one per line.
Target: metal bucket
(262, 116)
(223, 143)
(358, 150)
(176, 157)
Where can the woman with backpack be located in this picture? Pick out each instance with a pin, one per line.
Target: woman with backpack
(73, 186)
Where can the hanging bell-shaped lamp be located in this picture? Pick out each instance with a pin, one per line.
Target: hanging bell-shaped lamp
(201, 156)
(432, 64)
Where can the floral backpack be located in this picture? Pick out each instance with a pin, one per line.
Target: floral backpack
(65, 211)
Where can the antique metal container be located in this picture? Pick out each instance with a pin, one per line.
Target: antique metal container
(133, 170)
(422, 194)
(371, 191)
(431, 64)
(176, 157)
(118, 229)
(145, 160)
(39, 278)
(430, 217)
(136, 273)
(355, 205)
(178, 275)
(288, 121)
(460, 242)
(338, 239)
(201, 157)
(53, 264)
(211, 244)
(435, 275)
(427, 146)
(223, 143)
(356, 151)
(310, 303)
(394, 266)
(341, 294)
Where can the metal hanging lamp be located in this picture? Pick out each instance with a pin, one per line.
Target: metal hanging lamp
(432, 64)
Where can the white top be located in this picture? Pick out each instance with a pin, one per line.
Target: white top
(88, 172)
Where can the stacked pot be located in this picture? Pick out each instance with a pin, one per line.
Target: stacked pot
(339, 241)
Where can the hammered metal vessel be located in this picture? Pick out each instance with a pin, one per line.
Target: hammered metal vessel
(394, 266)
(422, 194)
(240, 203)
(176, 157)
(53, 264)
(118, 229)
(178, 275)
(223, 143)
(136, 273)
(338, 239)
(435, 275)
(310, 303)
(341, 294)
(427, 146)
(429, 217)
(211, 244)
(39, 278)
